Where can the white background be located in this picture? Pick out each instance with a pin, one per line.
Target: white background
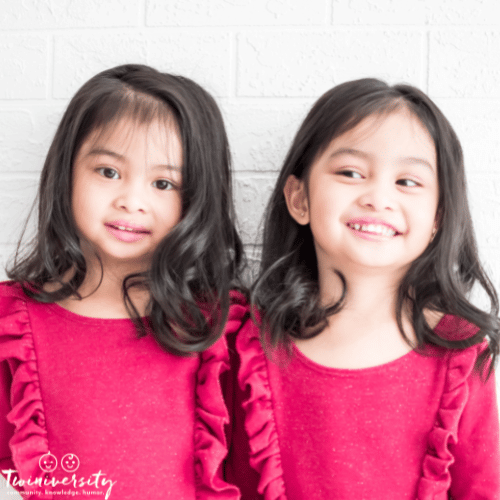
(266, 61)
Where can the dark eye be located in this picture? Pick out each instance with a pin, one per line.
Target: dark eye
(407, 183)
(351, 174)
(109, 173)
(163, 184)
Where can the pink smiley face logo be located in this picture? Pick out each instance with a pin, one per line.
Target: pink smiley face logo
(70, 462)
(48, 462)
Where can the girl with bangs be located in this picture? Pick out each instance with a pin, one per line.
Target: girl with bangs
(367, 372)
(112, 328)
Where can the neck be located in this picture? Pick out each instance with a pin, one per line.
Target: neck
(365, 331)
(102, 295)
(371, 297)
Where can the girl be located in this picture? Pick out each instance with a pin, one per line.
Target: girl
(109, 350)
(377, 381)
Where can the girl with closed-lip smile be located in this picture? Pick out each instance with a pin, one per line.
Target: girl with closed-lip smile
(112, 330)
(366, 370)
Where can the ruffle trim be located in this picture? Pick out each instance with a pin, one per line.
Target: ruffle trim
(29, 443)
(265, 456)
(436, 477)
(211, 413)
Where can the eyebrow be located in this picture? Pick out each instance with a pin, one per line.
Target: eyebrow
(118, 156)
(366, 156)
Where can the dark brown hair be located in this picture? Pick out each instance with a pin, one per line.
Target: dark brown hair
(198, 261)
(286, 291)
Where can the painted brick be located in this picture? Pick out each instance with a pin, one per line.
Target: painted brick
(25, 137)
(235, 12)
(24, 67)
(460, 12)
(477, 124)
(484, 200)
(6, 254)
(261, 134)
(464, 64)
(206, 58)
(379, 12)
(79, 58)
(40, 14)
(251, 195)
(253, 255)
(308, 64)
(15, 202)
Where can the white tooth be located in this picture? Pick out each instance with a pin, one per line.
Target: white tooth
(364, 227)
(371, 228)
(356, 226)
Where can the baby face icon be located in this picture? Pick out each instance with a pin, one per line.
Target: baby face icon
(70, 462)
(48, 462)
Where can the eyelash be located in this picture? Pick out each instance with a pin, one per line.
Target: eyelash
(170, 185)
(348, 173)
(415, 183)
(104, 170)
(353, 174)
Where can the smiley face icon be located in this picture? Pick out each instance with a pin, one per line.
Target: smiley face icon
(48, 462)
(70, 462)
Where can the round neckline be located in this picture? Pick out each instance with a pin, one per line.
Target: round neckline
(331, 370)
(299, 355)
(80, 318)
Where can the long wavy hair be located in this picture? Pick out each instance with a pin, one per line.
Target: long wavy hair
(198, 262)
(441, 279)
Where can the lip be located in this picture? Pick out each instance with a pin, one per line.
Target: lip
(132, 233)
(363, 221)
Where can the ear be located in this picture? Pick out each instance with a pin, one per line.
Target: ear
(296, 200)
(437, 224)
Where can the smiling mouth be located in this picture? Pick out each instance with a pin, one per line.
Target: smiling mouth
(129, 229)
(375, 229)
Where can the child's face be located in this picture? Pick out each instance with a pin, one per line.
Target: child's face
(371, 198)
(127, 191)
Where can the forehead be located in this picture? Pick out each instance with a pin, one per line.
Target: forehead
(398, 133)
(127, 135)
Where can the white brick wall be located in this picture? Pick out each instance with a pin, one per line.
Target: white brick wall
(266, 61)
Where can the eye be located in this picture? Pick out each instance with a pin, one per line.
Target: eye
(407, 183)
(163, 185)
(351, 174)
(108, 172)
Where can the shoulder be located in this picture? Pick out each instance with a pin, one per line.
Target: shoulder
(10, 289)
(450, 327)
(13, 301)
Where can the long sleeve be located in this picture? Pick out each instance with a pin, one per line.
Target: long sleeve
(476, 469)
(6, 428)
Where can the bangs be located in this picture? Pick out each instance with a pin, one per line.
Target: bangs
(121, 104)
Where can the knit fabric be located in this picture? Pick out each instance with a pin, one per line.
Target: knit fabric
(421, 427)
(87, 406)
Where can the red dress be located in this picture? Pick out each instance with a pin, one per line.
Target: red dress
(88, 407)
(419, 427)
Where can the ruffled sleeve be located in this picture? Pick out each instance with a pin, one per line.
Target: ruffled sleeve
(260, 422)
(29, 441)
(211, 412)
(463, 447)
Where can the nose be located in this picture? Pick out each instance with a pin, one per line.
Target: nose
(132, 198)
(378, 196)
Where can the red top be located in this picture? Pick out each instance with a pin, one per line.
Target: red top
(419, 427)
(87, 405)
